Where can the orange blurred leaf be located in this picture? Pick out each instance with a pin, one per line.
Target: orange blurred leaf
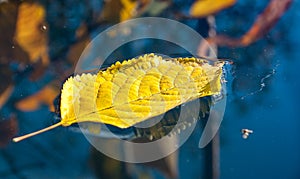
(203, 8)
(44, 96)
(262, 25)
(8, 50)
(31, 31)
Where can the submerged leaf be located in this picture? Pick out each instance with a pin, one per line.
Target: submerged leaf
(121, 10)
(44, 96)
(9, 51)
(128, 9)
(262, 25)
(31, 31)
(203, 8)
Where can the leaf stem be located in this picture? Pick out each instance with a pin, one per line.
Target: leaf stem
(18, 139)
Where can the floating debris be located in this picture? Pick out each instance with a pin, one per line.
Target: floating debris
(246, 133)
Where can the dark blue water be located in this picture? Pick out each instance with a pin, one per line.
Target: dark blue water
(272, 151)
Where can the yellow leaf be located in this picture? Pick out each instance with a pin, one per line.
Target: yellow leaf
(30, 31)
(136, 90)
(203, 8)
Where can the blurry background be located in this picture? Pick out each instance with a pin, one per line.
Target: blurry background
(41, 41)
